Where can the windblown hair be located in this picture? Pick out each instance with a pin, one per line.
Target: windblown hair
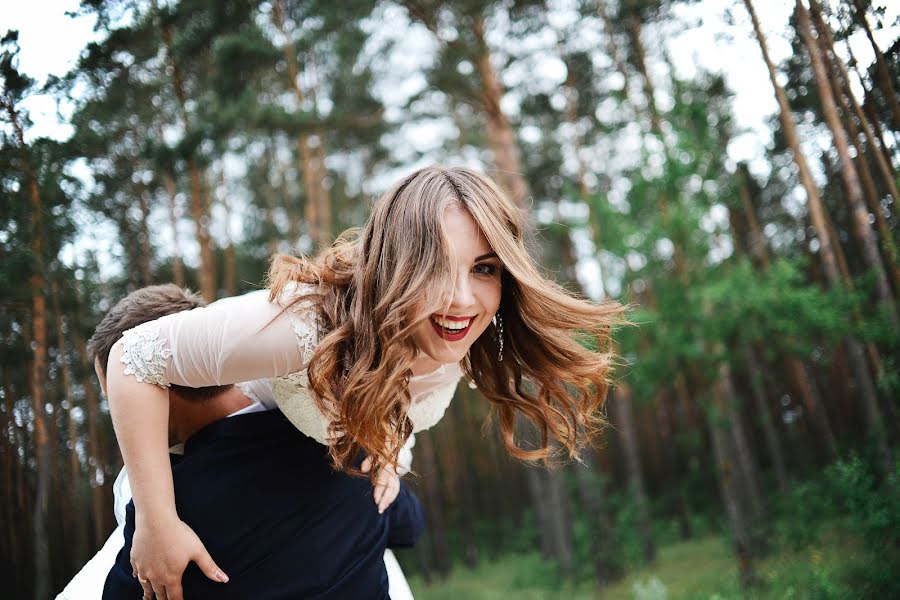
(379, 283)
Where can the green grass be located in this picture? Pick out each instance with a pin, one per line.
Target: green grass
(704, 568)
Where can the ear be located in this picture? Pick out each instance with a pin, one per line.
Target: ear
(100, 376)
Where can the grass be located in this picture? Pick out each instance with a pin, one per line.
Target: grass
(703, 568)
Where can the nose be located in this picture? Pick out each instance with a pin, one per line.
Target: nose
(463, 296)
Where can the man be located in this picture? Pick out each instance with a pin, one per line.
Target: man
(259, 494)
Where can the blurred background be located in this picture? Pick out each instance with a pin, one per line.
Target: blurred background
(726, 167)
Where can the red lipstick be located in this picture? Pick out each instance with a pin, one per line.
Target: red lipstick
(452, 336)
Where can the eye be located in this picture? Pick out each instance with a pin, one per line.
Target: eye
(486, 269)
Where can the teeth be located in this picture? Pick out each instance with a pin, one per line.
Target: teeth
(454, 325)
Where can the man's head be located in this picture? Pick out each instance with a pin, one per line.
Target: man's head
(147, 304)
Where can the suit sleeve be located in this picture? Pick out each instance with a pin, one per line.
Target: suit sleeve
(406, 520)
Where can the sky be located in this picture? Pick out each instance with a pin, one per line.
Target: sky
(722, 41)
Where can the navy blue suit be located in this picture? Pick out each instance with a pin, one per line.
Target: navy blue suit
(276, 518)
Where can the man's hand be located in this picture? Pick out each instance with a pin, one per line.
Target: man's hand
(387, 484)
(160, 552)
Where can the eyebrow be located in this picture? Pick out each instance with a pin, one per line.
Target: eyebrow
(486, 256)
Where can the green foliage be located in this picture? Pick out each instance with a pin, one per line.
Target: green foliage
(753, 306)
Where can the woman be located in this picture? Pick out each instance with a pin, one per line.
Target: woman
(365, 346)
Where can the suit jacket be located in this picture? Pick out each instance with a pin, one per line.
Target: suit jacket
(276, 518)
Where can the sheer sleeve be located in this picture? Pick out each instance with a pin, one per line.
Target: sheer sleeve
(232, 340)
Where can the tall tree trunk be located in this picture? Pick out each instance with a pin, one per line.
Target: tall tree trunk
(551, 507)
(818, 215)
(501, 137)
(200, 215)
(814, 200)
(871, 410)
(434, 502)
(639, 56)
(132, 250)
(144, 236)
(177, 263)
(560, 517)
(744, 455)
(757, 243)
(78, 523)
(230, 267)
(723, 448)
(95, 457)
(591, 485)
(456, 478)
(848, 172)
(622, 413)
(38, 379)
(868, 106)
(11, 470)
(324, 208)
(199, 209)
(268, 192)
(804, 385)
(672, 461)
(38, 374)
(884, 75)
(837, 74)
(310, 164)
(764, 410)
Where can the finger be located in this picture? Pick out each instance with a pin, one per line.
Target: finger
(394, 492)
(366, 464)
(159, 590)
(208, 566)
(387, 498)
(145, 586)
(384, 501)
(174, 591)
(379, 491)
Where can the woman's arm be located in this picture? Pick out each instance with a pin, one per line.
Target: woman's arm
(163, 545)
(233, 340)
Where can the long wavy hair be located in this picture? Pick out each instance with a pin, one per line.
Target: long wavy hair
(377, 284)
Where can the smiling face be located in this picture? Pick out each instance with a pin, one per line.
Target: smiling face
(474, 296)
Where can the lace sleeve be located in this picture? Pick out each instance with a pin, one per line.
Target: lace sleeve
(305, 324)
(145, 354)
(236, 339)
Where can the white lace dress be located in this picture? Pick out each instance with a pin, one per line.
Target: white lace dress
(247, 338)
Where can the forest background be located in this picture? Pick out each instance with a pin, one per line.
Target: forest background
(754, 422)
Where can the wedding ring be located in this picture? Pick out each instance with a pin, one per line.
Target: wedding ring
(143, 580)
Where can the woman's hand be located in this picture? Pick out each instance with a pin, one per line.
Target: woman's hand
(161, 551)
(387, 484)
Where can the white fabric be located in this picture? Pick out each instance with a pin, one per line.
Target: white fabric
(247, 338)
(88, 582)
(398, 587)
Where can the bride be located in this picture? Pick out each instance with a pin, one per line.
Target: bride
(365, 345)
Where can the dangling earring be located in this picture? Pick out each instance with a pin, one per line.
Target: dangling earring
(498, 334)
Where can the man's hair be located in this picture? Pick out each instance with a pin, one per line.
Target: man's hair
(146, 304)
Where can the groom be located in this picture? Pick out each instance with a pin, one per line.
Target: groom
(260, 495)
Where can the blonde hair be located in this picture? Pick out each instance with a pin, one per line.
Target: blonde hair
(376, 286)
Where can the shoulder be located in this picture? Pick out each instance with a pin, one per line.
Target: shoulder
(301, 302)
